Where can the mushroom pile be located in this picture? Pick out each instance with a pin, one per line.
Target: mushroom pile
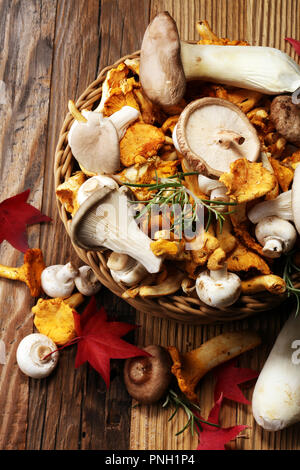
(179, 126)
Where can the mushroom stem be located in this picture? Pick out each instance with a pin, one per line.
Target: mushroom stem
(74, 300)
(219, 274)
(228, 138)
(66, 273)
(30, 272)
(190, 367)
(295, 96)
(75, 112)
(273, 247)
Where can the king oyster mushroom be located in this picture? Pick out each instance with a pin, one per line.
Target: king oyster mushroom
(167, 63)
(94, 139)
(105, 220)
(211, 133)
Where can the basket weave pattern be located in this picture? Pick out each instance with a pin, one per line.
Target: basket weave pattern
(181, 308)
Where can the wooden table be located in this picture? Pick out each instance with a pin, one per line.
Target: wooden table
(50, 50)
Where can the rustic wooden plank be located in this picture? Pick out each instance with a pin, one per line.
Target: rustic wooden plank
(26, 41)
(76, 411)
(261, 22)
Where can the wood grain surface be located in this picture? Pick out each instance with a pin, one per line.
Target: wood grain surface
(50, 50)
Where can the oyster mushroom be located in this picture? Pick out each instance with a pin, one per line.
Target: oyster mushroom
(285, 206)
(58, 280)
(212, 133)
(167, 63)
(87, 282)
(147, 379)
(277, 236)
(94, 183)
(31, 353)
(125, 269)
(94, 139)
(218, 289)
(105, 219)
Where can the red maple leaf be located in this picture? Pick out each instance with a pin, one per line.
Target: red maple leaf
(15, 215)
(215, 438)
(100, 340)
(295, 44)
(229, 377)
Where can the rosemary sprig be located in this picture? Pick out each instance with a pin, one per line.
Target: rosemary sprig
(179, 401)
(171, 191)
(289, 269)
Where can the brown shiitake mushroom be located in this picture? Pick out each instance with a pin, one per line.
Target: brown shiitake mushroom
(147, 379)
(286, 118)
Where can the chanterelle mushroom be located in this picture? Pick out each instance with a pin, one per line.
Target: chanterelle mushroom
(94, 140)
(31, 353)
(212, 133)
(166, 63)
(105, 219)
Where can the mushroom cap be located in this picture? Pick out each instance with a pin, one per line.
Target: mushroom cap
(30, 353)
(95, 143)
(87, 283)
(147, 379)
(105, 220)
(296, 198)
(161, 71)
(94, 183)
(56, 287)
(275, 228)
(212, 133)
(286, 118)
(218, 293)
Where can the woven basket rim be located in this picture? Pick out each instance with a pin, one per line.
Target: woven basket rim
(179, 307)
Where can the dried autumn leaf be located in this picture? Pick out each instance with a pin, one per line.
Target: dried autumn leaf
(247, 180)
(295, 44)
(100, 340)
(228, 378)
(15, 215)
(215, 438)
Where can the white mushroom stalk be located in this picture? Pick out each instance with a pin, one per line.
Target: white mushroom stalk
(276, 397)
(277, 236)
(87, 282)
(218, 289)
(215, 189)
(125, 269)
(31, 356)
(167, 63)
(94, 139)
(58, 280)
(93, 184)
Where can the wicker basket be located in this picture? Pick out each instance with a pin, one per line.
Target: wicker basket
(178, 307)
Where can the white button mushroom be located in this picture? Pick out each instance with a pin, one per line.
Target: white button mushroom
(87, 282)
(31, 353)
(166, 63)
(218, 289)
(58, 280)
(94, 140)
(125, 269)
(276, 235)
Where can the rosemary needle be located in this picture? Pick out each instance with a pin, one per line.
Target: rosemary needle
(171, 191)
